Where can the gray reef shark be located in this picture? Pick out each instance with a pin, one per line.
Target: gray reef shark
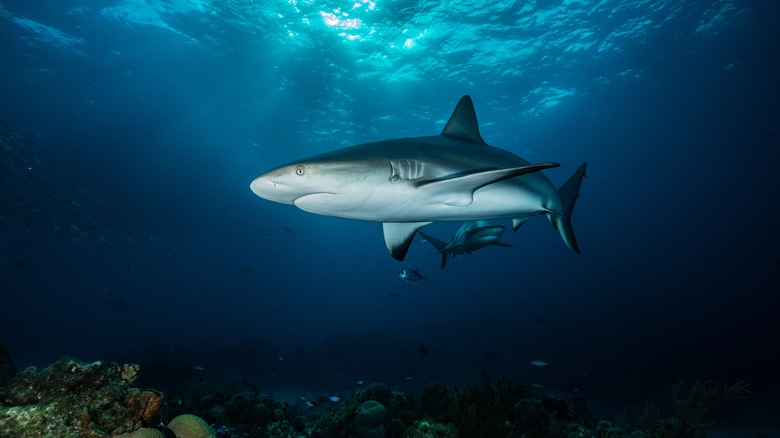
(470, 237)
(408, 183)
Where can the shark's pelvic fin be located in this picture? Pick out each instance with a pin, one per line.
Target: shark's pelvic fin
(399, 235)
(440, 246)
(569, 192)
(463, 123)
(458, 190)
(519, 221)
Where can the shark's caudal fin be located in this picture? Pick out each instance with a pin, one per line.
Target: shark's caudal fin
(440, 247)
(569, 192)
(463, 123)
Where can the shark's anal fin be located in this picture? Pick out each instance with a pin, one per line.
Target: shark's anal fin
(463, 123)
(458, 190)
(399, 235)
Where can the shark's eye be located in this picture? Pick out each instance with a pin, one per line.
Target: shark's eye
(300, 170)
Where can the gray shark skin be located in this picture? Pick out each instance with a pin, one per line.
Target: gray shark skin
(470, 237)
(408, 183)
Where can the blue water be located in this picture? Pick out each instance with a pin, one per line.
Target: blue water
(128, 232)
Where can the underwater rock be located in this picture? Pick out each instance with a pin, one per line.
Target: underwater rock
(71, 398)
(190, 426)
(7, 367)
(369, 420)
(435, 402)
(375, 391)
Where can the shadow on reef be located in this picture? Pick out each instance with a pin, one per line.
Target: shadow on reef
(96, 400)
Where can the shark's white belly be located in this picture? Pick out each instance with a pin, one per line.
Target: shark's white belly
(392, 203)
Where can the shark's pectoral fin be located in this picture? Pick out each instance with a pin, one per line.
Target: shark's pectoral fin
(458, 190)
(497, 243)
(399, 235)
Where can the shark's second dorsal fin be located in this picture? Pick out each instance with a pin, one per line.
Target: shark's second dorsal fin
(463, 122)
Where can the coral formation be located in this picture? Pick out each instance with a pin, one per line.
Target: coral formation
(130, 372)
(375, 391)
(144, 432)
(144, 403)
(70, 398)
(369, 419)
(190, 426)
(432, 429)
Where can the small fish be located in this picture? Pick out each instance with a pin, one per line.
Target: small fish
(539, 363)
(281, 359)
(412, 275)
(288, 230)
(311, 404)
(199, 368)
(334, 399)
(359, 382)
(538, 385)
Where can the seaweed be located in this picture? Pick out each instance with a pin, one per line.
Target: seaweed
(481, 409)
(695, 417)
(694, 412)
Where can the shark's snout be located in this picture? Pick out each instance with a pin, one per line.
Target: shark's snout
(264, 187)
(274, 187)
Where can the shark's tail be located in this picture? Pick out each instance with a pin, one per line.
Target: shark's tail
(569, 192)
(439, 245)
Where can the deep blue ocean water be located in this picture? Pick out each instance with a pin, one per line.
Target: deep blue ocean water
(132, 129)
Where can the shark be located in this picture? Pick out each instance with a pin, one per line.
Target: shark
(408, 183)
(471, 236)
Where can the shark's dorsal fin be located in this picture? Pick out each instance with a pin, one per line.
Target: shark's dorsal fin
(399, 235)
(463, 123)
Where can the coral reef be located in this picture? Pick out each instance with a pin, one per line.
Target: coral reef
(369, 420)
(145, 432)
(95, 400)
(71, 398)
(190, 426)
